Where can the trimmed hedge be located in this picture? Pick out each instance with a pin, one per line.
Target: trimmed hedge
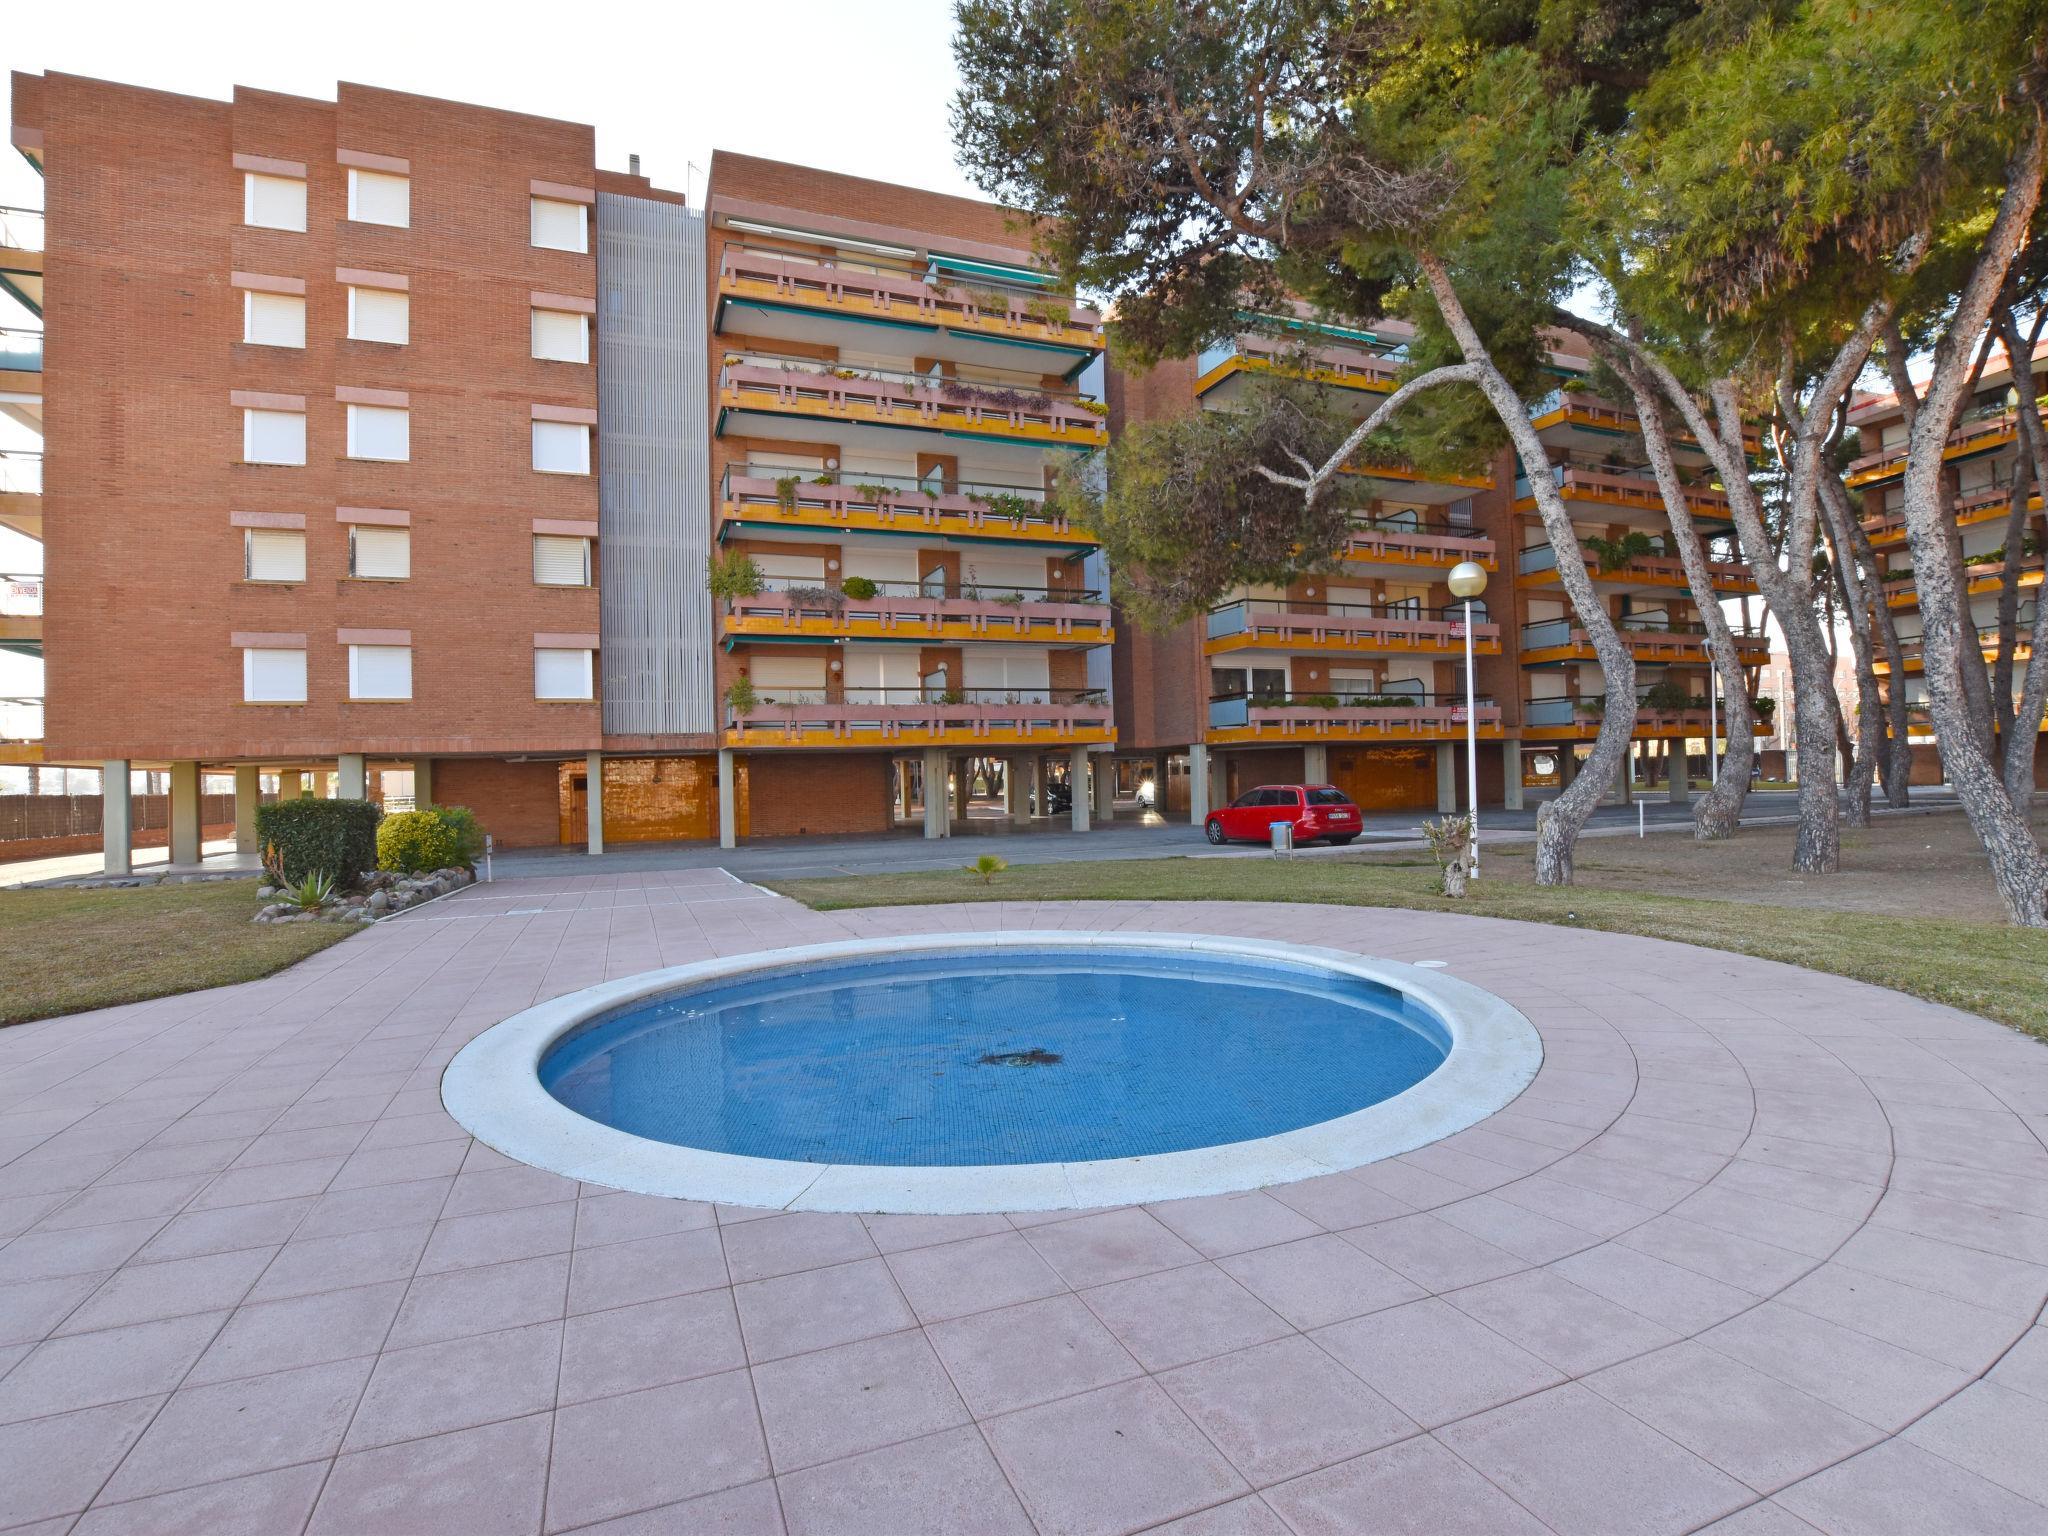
(432, 837)
(331, 837)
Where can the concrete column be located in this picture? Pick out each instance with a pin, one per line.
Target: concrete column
(248, 795)
(728, 800)
(1105, 787)
(117, 818)
(936, 823)
(1680, 787)
(1315, 763)
(290, 786)
(1446, 779)
(1017, 789)
(1624, 777)
(352, 777)
(185, 815)
(1511, 773)
(1038, 785)
(1077, 781)
(1198, 783)
(422, 782)
(593, 802)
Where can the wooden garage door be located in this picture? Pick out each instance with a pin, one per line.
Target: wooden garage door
(1386, 778)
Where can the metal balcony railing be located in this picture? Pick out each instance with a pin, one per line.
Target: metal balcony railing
(928, 283)
(1546, 634)
(21, 351)
(1982, 421)
(806, 384)
(21, 472)
(1331, 360)
(1401, 709)
(21, 229)
(809, 594)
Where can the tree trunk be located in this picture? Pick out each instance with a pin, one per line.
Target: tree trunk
(1859, 596)
(1897, 765)
(1997, 818)
(2026, 730)
(1719, 811)
(1558, 821)
(2009, 606)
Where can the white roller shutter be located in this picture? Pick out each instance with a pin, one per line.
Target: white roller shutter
(380, 671)
(788, 679)
(379, 314)
(561, 561)
(274, 437)
(992, 675)
(561, 674)
(270, 554)
(273, 677)
(883, 564)
(561, 448)
(273, 320)
(558, 225)
(882, 676)
(561, 337)
(791, 570)
(377, 197)
(379, 432)
(274, 202)
(381, 554)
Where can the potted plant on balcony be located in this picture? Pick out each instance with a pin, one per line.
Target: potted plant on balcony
(1005, 504)
(859, 588)
(785, 492)
(1669, 698)
(1052, 313)
(1613, 554)
(741, 699)
(734, 574)
(870, 493)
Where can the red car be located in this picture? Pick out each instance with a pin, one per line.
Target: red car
(1320, 812)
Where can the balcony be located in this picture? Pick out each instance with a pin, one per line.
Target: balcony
(1989, 505)
(1344, 629)
(1061, 616)
(1647, 639)
(1613, 488)
(1983, 575)
(1400, 717)
(21, 255)
(1979, 431)
(1555, 719)
(909, 718)
(865, 291)
(1564, 409)
(21, 610)
(804, 387)
(21, 729)
(1363, 369)
(21, 492)
(1537, 567)
(766, 496)
(1409, 541)
(1912, 648)
(21, 351)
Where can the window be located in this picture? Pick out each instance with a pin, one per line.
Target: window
(273, 677)
(273, 320)
(377, 197)
(560, 561)
(273, 437)
(379, 314)
(274, 202)
(380, 671)
(561, 674)
(788, 679)
(272, 554)
(561, 337)
(561, 448)
(379, 554)
(560, 226)
(379, 432)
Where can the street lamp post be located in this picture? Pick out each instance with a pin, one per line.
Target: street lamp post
(1466, 581)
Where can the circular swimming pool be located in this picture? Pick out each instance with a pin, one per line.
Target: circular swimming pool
(991, 1072)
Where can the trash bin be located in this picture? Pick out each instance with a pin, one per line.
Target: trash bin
(1283, 836)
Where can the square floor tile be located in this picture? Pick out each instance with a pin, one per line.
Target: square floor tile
(953, 1279)
(1876, 1382)
(1433, 1362)
(143, 1293)
(648, 1449)
(486, 1480)
(1112, 1245)
(1185, 1314)
(1570, 1327)
(237, 1226)
(31, 1311)
(1031, 1353)
(782, 1245)
(818, 1308)
(1282, 1409)
(55, 1465)
(1898, 1489)
(1215, 1225)
(303, 1330)
(1999, 1434)
(260, 1504)
(646, 1269)
(307, 1265)
(1432, 1253)
(83, 1369)
(497, 1237)
(1415, 1488)
(857, 1397)
(618, 1218)
(629, 1349)
(1113, 1460)
(1319, 1280)
(457, 1384)
(481, 1300)
(944, 1485)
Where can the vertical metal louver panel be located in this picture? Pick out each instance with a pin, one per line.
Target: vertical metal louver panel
(654, 490)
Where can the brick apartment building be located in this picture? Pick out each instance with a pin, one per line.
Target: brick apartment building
(391, 434)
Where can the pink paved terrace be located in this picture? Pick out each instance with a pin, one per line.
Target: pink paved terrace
(1715, 1265)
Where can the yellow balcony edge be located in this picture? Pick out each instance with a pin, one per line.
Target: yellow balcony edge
(1074, 337)
(1223, 644)
(774, 739)
(825, 630)
(733, 397)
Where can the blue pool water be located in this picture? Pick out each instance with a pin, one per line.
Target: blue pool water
(1025, 1056)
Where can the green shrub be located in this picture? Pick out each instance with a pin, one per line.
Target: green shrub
(859, 587)
(337, 838)
(433, 837)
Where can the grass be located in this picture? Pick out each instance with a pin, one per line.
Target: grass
(1982, 968)
(62, 951)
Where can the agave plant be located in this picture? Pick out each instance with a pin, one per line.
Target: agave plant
(311, 893)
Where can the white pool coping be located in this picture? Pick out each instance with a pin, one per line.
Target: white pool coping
(493, 1089)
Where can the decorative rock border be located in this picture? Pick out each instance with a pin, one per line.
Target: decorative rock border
(383, 894)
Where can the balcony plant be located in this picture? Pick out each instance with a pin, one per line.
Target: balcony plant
(951, 696)
(1613, 554)
(785, 492)
(734, 575)
(740, 697)
(870, 493)
(830, 598)
(1007, 504)
(1669, 697)
(858, 587)
(1765, 707)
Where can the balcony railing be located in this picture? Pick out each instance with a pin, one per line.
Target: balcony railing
(1913, 648)
(1354, 626)
(21, 472)
(1637, 632)
(1349, 713)
(888, 397)
(887, 501)
(1613, 487)
(1983, 505)
(1587, 712)
(21, 597)
(1664, 570)
(1411, 540)
(1983, 425)
(869, 288)
(21, 351)
(1347, 370)
(915, 714)
(907, 610)
(21, 229)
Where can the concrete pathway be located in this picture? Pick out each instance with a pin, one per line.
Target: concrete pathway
(1760, 1251)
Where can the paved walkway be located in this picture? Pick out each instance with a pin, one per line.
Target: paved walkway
(1760, 1251)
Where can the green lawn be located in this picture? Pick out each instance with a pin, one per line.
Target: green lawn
(1980, 967)
(63, 950)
